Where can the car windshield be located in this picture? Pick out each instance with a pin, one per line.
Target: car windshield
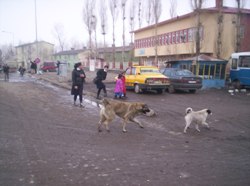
(184, 73)
(149, 70)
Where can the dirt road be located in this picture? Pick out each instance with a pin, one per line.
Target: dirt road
(45, 140)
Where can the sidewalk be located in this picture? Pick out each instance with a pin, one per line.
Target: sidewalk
(89, 86)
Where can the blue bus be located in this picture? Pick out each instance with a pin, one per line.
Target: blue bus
(240, 69)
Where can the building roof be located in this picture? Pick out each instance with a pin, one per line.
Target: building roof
(226, 10)
(27, 44)
(117, 49)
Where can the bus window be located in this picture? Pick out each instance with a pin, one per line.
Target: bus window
(234, 63)
(244, 61)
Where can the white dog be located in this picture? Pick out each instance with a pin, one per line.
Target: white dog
(198, 117)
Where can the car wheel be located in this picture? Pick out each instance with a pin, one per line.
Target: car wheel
(192, 91)
(171, 89)
(137, 89)
(236, 84)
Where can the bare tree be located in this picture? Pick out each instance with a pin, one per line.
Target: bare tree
(88, 12)
(156, 5)
(173, 7)
(240, 5)
(114, 14)
(197, 6)
(123, 3)
(220, 30)
(103, 19)
(149, 11)
(6, 53)
(59, 34)
(140, 13)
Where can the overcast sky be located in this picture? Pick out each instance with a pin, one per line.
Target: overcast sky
(17, 20)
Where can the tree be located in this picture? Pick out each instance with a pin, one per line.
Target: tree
(197, 6)
(240, 5)
(88, 13)
(172, 10)
(156, 5)
(59, 34)
(123, 3)
(132, 19)
(140, 13)
(148, 12)
(104, 25)
(114, 14)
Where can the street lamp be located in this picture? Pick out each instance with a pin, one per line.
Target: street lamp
(11, 34)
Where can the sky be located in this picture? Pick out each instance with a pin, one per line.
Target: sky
(17, 20)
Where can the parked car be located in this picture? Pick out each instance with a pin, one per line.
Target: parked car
(49, 67)
(142, 78)
(182, 79)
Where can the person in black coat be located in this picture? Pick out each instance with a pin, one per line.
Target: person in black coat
(78, 78)
(6, 69)
(100, 76)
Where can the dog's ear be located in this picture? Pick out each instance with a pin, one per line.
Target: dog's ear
(209, 111)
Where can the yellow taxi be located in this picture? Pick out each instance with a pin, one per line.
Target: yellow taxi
(142, 78)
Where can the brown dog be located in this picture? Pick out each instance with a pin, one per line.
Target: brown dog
(125, 110)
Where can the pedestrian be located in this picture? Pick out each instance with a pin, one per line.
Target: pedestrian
(6, 69)
(21, 70)
(119, 87)
(58, 67)
(100, 76)
(32, 66)
(35, 67)
(78, 79)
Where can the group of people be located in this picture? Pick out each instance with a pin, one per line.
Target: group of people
(78, 79)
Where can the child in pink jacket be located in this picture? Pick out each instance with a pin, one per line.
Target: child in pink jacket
(119, 87)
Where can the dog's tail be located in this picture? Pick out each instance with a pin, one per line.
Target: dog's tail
(188, 110)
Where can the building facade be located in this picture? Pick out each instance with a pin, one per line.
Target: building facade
(222, 31)
(70, 57)
(31, 51)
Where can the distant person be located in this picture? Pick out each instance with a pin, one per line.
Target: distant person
(123, 78)
(33, 67)
(119, 87)
(100, 76)
(58, 67)
(21, 70)
(6, 70)
(78, 79)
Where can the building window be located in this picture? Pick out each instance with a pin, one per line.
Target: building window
(177, 37)
(181, 36)
(242, 31)
(190, 34)
(185, 36)
(170, 38)
(173, 38)
(167, 39)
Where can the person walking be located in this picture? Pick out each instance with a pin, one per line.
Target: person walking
(119, 87)
(100, 76)
(6, 69)
(78, 79)
(58, 67)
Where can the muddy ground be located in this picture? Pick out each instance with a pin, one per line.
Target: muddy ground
(45, 140)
